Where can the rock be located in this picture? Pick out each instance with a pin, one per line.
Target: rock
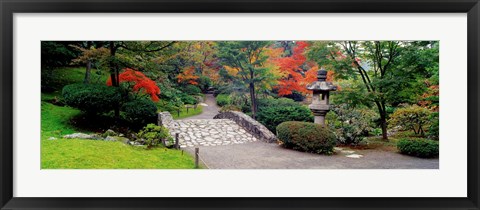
(52, 138)
(82, 136)
(347, 151)
(134, 143)
(117, 138)
(109, 132)
(356, 156)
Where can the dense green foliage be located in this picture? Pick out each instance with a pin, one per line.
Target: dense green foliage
(434, 129)
(306, 136)
(272, 116)
(153, 135)
(351, 125)
(191, 90)
(57, 54)
(188, 99)
(223, 99)
(418, 147)
(204, 82)
(413, 118)
(272, 112)
(91, 98)
(140, 111)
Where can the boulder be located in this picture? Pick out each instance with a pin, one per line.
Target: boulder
(82, 136)
(117, 138)
(109, 132)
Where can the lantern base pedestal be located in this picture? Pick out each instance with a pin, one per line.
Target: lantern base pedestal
(319, 115)
(319, 119)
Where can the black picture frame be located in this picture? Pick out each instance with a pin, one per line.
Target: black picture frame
(9, 7)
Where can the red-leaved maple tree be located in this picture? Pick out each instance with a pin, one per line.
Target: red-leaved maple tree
(295, 78)
(188, 76)
(140, 83)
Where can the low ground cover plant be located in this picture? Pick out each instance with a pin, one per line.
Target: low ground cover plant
(423, 148)
(153, 135)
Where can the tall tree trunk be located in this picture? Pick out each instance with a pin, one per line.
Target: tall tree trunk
(253, 100)
(114, 75)
(383, 118)
(86, 80)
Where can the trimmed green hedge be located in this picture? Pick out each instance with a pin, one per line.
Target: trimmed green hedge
(223, 99)
(307, 137)
(140, 111)
(418, 147)
(272, 116)
(91, 98)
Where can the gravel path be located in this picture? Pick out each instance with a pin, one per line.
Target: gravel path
(261, 155)
(209, 111)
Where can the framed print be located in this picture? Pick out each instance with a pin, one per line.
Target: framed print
(239, 105)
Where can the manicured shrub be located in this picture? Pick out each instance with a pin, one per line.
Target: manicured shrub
(223, 99)
(418, 147)
(91, 98)
(140, 111)
(307, 137)
(192, 90)
(434, 129)
(188, 99)
(272, 116)
(152, 135)
(351, 125)
(266, 102)
(204, 82)
(411, 118)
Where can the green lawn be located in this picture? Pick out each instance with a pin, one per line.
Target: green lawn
(94, 154)
(184, 114)
(55, 120)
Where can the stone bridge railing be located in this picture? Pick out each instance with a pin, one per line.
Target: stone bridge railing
(249, 124)
(165, 119)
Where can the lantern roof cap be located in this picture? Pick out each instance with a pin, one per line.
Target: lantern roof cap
(321, 83)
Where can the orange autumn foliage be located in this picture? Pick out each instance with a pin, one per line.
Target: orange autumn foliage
(140, 81)
(188, 76)
(295, 78)
(433, 90)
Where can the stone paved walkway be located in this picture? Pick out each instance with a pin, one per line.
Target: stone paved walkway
(210, 132)
(203, 130)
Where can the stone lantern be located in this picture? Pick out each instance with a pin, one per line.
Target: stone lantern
(321, 93)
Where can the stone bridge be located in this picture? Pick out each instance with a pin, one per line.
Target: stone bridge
(226, 128)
